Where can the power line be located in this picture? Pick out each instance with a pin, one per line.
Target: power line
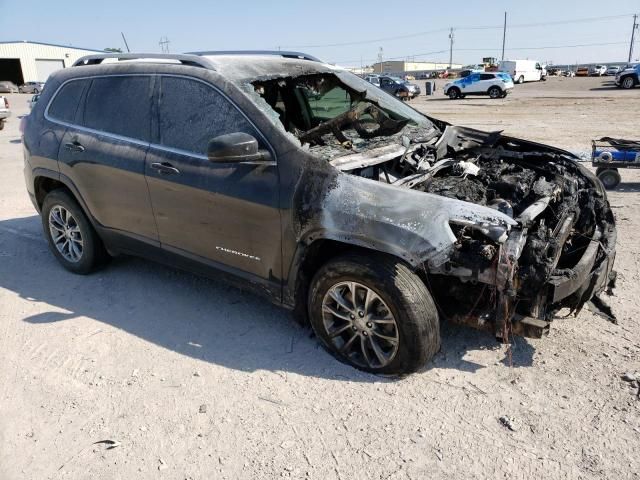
(362, 42)
(546, 47)
(464, 28)
(401, 57)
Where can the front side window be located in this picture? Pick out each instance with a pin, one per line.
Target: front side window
(192, 113)
(486, 76)
(65, 103)
(120, 105)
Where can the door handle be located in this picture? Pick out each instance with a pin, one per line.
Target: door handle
(165, 168)
(74, 147)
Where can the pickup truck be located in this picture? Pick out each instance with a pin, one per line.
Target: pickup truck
(4, 111)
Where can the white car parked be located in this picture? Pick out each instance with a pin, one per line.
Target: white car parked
(494, 84)
(373, 79)
(4, 111)
(597, 71)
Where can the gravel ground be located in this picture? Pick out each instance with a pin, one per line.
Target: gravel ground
(196, 380)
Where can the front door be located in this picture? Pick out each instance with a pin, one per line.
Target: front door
(221, 213)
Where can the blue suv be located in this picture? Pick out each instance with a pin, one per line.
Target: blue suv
(629, 77)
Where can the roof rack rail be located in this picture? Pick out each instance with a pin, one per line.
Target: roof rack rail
(285, 54)
(190, 60)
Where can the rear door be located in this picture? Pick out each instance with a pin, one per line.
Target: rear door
(225, 214)
(103, 152)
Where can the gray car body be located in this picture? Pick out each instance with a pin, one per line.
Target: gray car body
(279, 216)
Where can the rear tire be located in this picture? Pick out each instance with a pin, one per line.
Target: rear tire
(1, 124)
(76, 244)
(521, 79)
(610, 178)
(454, 93)
(400, 308)
(495, 92)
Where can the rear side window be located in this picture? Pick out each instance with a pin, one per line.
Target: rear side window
(486, 76)
(66, 101)
(120, 105)
(193, 113)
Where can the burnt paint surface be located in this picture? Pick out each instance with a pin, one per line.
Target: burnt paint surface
(271, 212)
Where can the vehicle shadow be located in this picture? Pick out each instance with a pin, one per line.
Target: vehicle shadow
(194, 316)
(628, 187)
(607, 86)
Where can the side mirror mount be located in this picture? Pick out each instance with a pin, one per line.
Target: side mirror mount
(235, 147)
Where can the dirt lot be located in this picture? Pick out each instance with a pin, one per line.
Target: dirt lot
(197, 380)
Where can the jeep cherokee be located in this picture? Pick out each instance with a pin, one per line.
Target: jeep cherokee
(313, 187)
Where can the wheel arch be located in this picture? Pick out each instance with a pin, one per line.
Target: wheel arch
(311, 255)
(45, 181)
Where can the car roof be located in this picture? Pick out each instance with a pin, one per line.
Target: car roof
(234, 65)
(242, 67)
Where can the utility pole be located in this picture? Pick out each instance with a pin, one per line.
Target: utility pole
(125, 42)
(164, 44)
(450, 47)
(504, 34)
(380, 58)
(633, 35)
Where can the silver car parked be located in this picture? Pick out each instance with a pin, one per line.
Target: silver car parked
(31, 87)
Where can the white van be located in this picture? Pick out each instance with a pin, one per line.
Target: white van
(524, 70)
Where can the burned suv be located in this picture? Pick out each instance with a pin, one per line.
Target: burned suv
(311, 186)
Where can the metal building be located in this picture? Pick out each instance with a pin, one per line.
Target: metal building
(405, 66)
(25, 61)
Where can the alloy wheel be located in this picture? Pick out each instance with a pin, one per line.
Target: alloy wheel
(360, 325)
(65, 234)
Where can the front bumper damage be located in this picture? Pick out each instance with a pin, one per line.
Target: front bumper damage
(571, 288)
(505, 232)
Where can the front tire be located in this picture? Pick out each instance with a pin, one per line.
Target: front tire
(71, 237)
(627, 83)
(374, 313)
(454, 93)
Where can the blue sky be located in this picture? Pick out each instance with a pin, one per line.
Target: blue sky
(313, 25)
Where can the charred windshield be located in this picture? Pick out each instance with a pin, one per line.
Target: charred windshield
(339, 109)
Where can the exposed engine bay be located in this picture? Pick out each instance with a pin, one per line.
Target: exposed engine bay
(505, 279)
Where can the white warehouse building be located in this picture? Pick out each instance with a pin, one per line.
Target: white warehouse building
(26, 61)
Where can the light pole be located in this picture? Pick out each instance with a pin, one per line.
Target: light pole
(504, 34)
(633, 34)
(451, 47)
